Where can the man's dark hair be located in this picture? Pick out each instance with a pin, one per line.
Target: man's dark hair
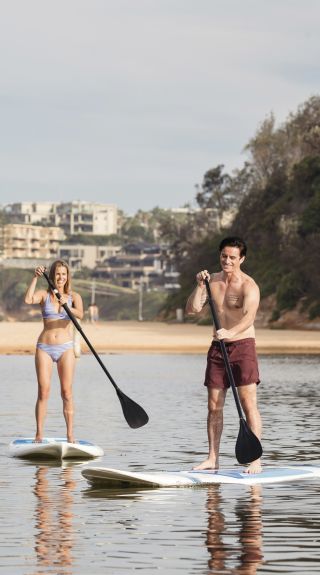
(234, 242)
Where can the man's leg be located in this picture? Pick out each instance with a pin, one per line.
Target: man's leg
(248, 398)
(216, 399)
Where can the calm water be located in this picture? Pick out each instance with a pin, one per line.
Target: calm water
(53, 523)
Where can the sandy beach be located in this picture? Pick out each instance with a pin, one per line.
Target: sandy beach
(155, 337)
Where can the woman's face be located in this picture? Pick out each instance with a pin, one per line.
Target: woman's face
(61, 276)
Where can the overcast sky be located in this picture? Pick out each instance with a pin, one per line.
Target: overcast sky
(132, 101)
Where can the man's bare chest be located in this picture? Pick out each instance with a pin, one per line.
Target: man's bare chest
(229, 299)
(233, 300)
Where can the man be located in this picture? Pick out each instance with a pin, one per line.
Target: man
(236, 298)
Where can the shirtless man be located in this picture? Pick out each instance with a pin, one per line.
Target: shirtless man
(236, 297)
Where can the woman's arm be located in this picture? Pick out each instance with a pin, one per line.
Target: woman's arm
(32, 296)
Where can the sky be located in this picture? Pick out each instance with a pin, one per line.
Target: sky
(130, 102)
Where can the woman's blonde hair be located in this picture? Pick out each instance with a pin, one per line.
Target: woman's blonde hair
(52, 274)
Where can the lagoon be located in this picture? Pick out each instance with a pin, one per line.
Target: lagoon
(53, 522)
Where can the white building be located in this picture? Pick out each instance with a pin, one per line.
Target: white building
(87, 218)
(31, 212)
(76, 217)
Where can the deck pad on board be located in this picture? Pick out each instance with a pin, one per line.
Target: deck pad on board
(53, 447)
(104, 476)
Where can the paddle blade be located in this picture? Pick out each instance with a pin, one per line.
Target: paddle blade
(248, 446)
(134, 414)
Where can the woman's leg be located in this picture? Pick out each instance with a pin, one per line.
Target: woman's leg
(65, 367)
(43, 364)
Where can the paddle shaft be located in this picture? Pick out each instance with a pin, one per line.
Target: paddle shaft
(224, 351)
(78, 326)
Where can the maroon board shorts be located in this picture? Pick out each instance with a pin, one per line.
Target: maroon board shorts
(243, 361)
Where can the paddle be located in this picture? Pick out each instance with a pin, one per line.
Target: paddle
(133, 413)
(248, 446)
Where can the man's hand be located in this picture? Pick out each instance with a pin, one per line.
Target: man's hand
(201, 276)
(224, 333)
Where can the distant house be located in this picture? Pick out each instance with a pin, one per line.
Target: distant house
(81, 256)
(138, 262)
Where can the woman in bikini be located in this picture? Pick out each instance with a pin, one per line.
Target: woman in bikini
(55, 343)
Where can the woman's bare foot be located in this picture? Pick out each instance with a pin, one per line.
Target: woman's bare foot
(254, 467)
(207, 464)
(37, 439)
(71, 439)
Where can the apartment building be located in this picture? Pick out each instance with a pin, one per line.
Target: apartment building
(31, 212)
(28, 241)
(78, 217)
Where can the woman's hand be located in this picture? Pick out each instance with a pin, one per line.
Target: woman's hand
(38, 272)
(63, 299)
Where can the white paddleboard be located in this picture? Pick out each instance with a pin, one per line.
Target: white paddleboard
(53, 447)
(106, 477)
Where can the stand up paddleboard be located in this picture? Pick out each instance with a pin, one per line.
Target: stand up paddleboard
(105, 477)
(53, 447)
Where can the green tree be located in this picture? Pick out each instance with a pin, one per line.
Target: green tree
(214, 195)
(276, 200)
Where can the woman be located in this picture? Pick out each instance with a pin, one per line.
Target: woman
(55, 343)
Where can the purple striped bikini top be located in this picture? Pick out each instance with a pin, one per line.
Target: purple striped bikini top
(48, 311)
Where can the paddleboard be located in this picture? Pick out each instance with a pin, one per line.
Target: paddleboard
(53, 447)
(106, 477)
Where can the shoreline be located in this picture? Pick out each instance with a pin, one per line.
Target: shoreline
(122, 337)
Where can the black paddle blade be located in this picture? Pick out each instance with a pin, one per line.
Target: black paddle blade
(248, 446)
(134, 414)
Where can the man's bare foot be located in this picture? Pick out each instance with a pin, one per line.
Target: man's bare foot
(37, 439)
(207, 464)
(71, 440)
(254, 467)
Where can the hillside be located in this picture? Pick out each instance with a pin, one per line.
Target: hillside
(275, 199)
(114, 302)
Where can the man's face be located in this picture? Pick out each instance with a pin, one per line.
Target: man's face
(230, 259)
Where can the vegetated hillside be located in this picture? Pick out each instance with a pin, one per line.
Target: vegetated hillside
(276, 197)
(114, 302)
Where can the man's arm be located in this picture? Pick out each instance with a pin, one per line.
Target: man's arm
(198, 298)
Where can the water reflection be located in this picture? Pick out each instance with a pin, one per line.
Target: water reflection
(232, 520)
(223, 539)
(248, 513)
(116, 493)
(54, 539)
